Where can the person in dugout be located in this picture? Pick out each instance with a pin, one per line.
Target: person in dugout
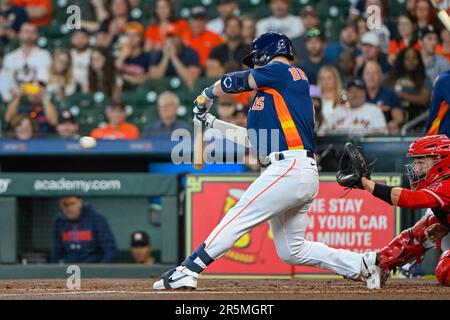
(429, 173)
(81, 234)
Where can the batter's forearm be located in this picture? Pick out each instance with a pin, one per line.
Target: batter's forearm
(230, 131)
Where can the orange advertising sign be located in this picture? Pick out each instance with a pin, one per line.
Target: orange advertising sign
(358, 222)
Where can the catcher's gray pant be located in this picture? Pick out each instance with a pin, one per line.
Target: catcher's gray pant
(282, 194)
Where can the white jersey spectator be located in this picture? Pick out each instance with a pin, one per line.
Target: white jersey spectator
(359, 118)
(281, 21)
(26, 64)
(81, 58)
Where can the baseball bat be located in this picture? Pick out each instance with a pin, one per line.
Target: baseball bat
(198, 138)
(442, 7)
(445, 18)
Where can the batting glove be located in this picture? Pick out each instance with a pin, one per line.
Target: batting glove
(205, 118)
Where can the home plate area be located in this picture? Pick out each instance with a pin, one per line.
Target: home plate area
(209, 289)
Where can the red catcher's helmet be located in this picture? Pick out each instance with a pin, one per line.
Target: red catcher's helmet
(437, 146)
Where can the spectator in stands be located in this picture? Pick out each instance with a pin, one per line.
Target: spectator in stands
(357, 10)
(26, 64)
(425, 15)
(330, 86)
(141, 248)
(410, 6)
(81, 234)
(11, 19)
(39, 11)
(281, 20)
(371, 51)
(226, 106)
(23, 127)
(445, 47)
(102, 73)
(111, 30)
(175, 60)
(233, 50)
(248, 28)
(226, 9)
(200, 39)
(348, 42)
(311, 21)
(410, 82)
(240, 115)
(67, 127)
(61, 82)
(81, 56)
(117, 128)
(315, 58)
(406, 37)
(361, 25)
(435, 64)
(384, 98)
(382, 29)
(93, 13)
(316, 97)
(165, 22)
(168, 105)
(133, 62)
(32, 100)
(347, 66)
(358, 118)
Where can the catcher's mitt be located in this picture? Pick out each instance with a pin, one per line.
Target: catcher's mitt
(352, 167)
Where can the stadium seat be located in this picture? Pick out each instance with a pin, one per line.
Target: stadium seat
(84, 100)
(90, 119)
(142, 115)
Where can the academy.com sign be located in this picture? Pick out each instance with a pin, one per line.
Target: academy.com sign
(85, 186)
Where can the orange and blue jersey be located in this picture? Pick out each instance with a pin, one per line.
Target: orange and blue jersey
(282, 103)
(439, 119)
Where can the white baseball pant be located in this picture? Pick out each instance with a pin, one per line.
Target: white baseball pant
(282, 194)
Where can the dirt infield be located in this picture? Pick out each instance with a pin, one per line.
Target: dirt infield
(298, 289)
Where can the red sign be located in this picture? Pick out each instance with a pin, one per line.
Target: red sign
(358, 222)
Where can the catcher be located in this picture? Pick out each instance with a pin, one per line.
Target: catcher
(429, 173)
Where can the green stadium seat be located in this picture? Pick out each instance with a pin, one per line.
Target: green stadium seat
(11, 46)
(89, 119)
(86, 100)
(139, 98)
(141, 116)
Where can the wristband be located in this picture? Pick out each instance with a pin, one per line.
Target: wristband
(209, 93)
(383, 192)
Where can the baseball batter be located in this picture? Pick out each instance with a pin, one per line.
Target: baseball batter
(439, 119)
(282, 109)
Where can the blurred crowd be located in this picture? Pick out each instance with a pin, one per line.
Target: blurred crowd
(369, 82)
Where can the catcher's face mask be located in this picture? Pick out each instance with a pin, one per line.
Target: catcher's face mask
(418, 167)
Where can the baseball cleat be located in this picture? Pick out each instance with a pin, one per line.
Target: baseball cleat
(178, 278)
(374, 277)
